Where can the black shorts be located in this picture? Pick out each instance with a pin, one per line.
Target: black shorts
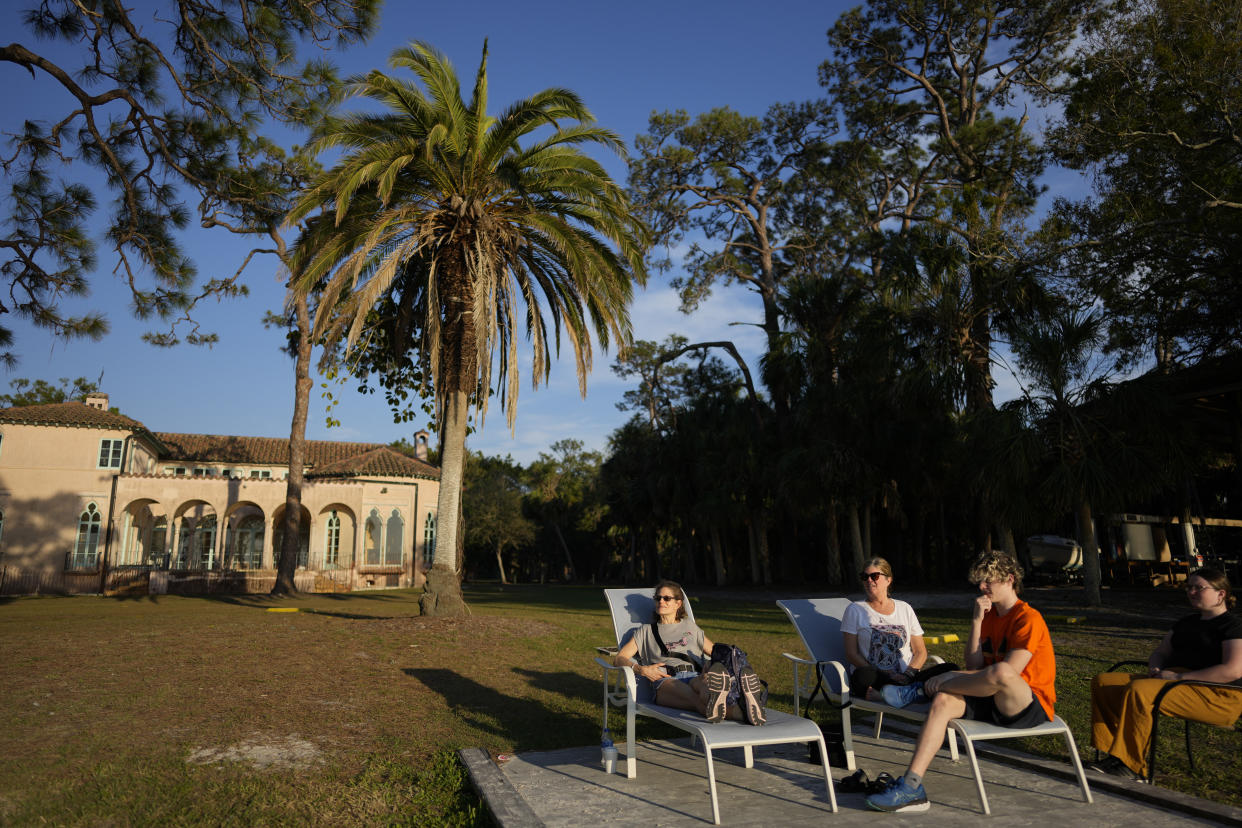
(981, 709)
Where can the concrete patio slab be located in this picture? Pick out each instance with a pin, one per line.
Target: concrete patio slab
(570, 788)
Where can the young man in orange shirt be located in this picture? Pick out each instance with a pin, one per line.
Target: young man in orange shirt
(1009, 676)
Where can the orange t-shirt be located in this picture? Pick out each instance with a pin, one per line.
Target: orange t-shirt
(1023, 628)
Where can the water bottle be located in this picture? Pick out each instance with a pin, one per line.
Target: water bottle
(608, 752)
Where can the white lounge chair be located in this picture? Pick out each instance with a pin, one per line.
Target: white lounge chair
(632, 608)
(818, 622)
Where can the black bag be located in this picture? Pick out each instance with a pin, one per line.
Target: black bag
(834, 732)
(735, 661)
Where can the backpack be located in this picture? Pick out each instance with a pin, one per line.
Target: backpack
(734, 660)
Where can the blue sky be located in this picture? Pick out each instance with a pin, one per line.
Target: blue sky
(624, 61)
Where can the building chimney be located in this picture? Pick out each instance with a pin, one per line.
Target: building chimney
(420, 445)
(97, 400)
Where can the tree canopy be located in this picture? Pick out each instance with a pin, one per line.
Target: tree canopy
(158, 107)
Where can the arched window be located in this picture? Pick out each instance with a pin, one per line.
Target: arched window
(396, 536)
(429, 541)
(372, 541)
(332, 542)
(159, 543)
(205, 543)
(86, 550)
(250, 543)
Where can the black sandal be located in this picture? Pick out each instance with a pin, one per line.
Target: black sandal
(881, 783)
(856, 782)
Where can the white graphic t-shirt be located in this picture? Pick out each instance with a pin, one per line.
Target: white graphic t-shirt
(883, 639)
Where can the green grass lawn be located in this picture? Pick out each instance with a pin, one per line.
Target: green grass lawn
(185, 711)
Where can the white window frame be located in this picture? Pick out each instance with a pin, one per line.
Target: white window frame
(110, 452)
(332, 541)
(429, 540)
(85, 552)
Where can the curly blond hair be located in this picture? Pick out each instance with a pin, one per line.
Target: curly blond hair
(995, 565)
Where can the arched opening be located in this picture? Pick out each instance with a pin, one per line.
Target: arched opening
(197, 530)
(278, 532)
(85, 552)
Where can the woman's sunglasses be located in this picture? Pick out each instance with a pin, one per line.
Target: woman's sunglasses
(666, 598)
(869, 576)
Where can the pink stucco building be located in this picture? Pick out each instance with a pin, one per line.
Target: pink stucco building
(92, 501)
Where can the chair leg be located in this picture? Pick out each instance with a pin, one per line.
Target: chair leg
(974, 768)
(950, 736)
(748, 756)
(711, 784)
(847, 739)
(1072, 747)
(832, 793)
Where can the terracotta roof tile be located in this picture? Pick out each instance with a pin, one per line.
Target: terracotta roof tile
(68, 414)
(323, 457)
(378, 462)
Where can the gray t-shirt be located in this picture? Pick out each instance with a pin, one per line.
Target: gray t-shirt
(683, 639)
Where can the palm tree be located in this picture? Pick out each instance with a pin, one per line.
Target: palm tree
(1081, 443)
(439, 200)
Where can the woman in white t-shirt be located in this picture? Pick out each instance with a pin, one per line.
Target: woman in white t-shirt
(883, 637)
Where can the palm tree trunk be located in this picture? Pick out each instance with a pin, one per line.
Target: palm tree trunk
(442, 595)
(856, 542)
(290, 540)
(690, 570)
(833, 546)
(1090, 554)
(570, 572)
(500, 562)
(756, 576)
(718, 555)
(866, 530)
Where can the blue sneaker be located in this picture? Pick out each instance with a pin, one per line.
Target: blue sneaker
(898, 695)
(899, 797)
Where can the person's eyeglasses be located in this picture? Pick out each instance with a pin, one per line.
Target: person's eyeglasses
(869, 576)
(1196, 588)
(667, 598)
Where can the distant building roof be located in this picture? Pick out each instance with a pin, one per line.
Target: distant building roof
(75, 414)
(68, 414)
(324, 458)
(382, 461)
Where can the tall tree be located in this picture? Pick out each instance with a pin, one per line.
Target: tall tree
(722, 176)
(436, 192)
(929, 93)
(1153, 114)
(157, 108)
(1082, 443)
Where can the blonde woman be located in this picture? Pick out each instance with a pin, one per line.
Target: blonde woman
(883, 637)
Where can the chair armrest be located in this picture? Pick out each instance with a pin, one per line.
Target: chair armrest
(627, 674)
(1164, 691)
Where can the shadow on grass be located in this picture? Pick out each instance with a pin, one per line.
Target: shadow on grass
(526, 723)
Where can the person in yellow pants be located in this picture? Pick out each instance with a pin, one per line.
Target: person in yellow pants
(1206, 645)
